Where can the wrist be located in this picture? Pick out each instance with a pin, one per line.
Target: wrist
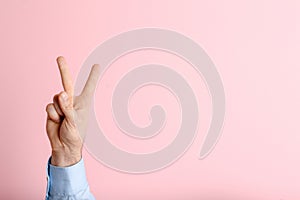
(62, 159)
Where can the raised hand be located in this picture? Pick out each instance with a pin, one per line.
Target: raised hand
(67, 117)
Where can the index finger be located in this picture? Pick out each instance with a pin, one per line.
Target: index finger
(65, 74)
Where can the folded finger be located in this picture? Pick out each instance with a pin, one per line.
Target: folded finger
(52, 114)
(56, 105)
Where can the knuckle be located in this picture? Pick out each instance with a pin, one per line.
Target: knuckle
(55, 98)
(49, 107)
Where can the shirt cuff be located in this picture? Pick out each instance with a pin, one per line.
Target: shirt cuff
(66, 180)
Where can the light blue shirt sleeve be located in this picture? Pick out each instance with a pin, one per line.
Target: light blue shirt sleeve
(67, 183)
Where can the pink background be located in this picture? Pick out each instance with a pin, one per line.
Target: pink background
(255, 46)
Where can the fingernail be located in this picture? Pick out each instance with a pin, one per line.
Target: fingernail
(64, 95)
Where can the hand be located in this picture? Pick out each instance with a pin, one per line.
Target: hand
(67, 117)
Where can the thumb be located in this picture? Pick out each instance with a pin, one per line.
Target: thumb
(66, 107)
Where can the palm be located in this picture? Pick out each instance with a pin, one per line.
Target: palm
(81, 106)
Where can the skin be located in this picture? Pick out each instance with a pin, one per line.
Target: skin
(67, 117)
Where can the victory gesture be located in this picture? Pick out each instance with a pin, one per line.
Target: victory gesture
(67, 117)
